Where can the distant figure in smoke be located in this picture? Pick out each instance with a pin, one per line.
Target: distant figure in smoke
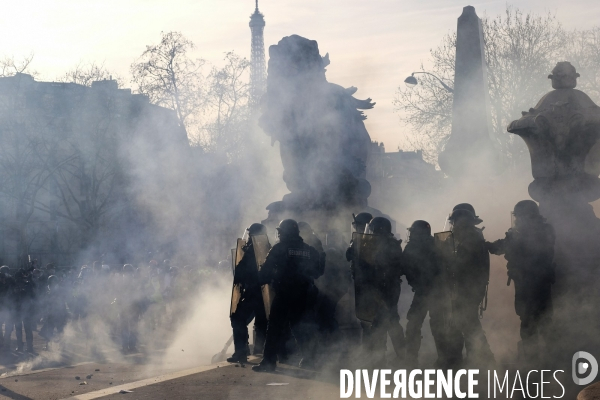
(323, 141)
(378, 270)
(6, 287)
(250, 305)
(56, 312)
(291, 267)
(24, 308)
(469, 265)
(529, 249)
(358, 226)
(129, 310)
(423, 270)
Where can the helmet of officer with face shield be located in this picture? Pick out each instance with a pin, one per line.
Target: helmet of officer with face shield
(360, 221)
(448, 226)
(525, 212)
(254, 230)
(379, 226)
(419, 230)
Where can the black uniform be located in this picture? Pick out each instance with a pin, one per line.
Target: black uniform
(250, 305)
(23, 310)
(6, 287)
(470, 270)
(385, 275)
(291, 268)
(529, 250)
(423, 271)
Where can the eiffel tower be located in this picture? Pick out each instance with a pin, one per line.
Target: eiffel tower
(258, 70)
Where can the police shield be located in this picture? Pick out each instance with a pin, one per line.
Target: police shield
(236, 291)
(368, 297)
(261, 250)
(444, 242)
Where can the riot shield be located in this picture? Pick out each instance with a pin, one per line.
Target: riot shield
(445, 246)
(368, 297)
(261, 250)
(236, 291)
(233, 251)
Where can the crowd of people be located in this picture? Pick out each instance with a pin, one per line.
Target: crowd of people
(101, 301)
(292, 289)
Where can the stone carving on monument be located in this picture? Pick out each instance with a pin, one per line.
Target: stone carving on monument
(561, 132)
(323, 141)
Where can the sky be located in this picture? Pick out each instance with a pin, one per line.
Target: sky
(373, 45)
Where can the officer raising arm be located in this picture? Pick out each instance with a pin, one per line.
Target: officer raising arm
(529, 249)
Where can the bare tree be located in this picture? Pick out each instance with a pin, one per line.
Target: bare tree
(85, 74)
(169, 76)
(26, 153)
(227, 108)
(520, 49)
(10, 66)
(583, 50)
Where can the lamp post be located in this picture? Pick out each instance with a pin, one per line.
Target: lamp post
(411, 81)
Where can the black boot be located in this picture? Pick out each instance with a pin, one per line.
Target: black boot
(238, 358)
(264, 366)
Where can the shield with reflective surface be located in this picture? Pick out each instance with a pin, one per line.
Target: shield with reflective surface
(261, 250)
(368, 297)
(236, 291)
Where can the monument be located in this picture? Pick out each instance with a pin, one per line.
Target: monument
(323, 141)
(469, 148)
(561, 133)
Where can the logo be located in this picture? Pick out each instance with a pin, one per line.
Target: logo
(584, 363)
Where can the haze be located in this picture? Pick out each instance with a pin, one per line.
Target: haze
(373, 45)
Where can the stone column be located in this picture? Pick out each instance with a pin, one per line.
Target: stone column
(469, 144)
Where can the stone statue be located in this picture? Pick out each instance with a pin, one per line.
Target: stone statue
(323, 141)
(561, 133)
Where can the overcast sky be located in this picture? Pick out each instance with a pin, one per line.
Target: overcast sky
(373, 44)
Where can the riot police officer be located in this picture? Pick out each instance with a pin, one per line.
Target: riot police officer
(424, 274)
(381, 270)
(470, 269)
(291, 267)
(529, 249)
(250, 305)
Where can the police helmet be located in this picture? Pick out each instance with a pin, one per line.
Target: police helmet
(379, 226)
(257, 229)
(526, 208)
(5, 270)
(288, 227)
(52, 280)
(463, 214)
(468, 207)
(128, 269)
(420, 228)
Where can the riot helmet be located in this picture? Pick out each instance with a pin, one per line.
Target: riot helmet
(5, 270)
(462, 217)
(254, 230)
(379, 226)
(52, 281)
(419, 229)
(128, 269)
(288, 228)
(360, 222)
(305, 229)
(462, 206)
(525, 210)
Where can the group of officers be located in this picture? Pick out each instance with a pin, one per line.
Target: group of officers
(292, 288)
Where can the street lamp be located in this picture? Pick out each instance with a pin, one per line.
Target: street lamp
(411, 81)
